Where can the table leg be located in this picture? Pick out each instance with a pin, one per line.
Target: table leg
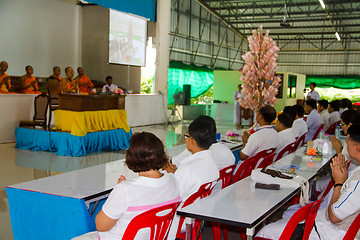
(250, 233)
(188, 223)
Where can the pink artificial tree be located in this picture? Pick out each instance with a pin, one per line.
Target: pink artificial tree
(260, 84)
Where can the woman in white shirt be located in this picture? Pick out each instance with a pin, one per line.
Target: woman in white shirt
(129, 198)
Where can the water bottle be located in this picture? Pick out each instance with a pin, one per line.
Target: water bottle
(327, 145)
(322, 134)
(338, 131)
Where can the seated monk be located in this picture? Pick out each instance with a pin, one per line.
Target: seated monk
(56, 73)
(83, 81)
(5, 83)
(28, 82)
(68, 85)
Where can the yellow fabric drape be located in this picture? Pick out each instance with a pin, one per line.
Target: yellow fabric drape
(81, 123)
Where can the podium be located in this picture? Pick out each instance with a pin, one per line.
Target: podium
(91, 102)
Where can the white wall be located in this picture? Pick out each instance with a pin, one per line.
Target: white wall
(41, 33)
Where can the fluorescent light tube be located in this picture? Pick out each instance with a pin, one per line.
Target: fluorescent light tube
(338, 36)
(322, 3)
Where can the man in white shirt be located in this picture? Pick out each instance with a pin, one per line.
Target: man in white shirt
(313, 94)
(291, 111)
(221, 153)
(264, 138)
(313, 120)
(286, 134)
(196, 170)
(109, 87)
(334, 107)
(299, 122)
(333, 221)
(324, 114)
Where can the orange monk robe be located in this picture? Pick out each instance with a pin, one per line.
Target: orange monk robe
(69, 85)
(32, 89)
(3, 88)
(85, 88)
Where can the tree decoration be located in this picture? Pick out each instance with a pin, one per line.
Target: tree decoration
(260, 85)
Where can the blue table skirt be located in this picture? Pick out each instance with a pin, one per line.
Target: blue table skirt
(65, 144)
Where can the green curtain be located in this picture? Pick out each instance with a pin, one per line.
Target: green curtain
(343, 82)
(200, 78)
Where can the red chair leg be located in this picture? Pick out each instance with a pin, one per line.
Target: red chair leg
(216, 230)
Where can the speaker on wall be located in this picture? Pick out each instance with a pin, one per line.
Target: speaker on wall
(187, 90)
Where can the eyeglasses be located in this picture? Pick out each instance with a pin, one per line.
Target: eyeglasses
(187, 136)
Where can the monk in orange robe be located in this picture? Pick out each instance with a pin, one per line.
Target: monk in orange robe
(56, 73)
(68, 85)
(5, 83)
(83, 81)
(28, 82)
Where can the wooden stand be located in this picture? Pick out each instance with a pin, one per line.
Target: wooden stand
(79, 102)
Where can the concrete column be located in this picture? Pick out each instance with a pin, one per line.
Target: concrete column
(162, 45)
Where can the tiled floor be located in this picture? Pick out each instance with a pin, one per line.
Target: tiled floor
(18, 166)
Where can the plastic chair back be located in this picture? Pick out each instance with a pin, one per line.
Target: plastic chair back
(318, 131)
(300, 142)
(353, 229)
(286, 150)
(331, 129)
(244, 168)
(204, 191)
(307, 213)
(154, 219)
(269, 159)
(226, 175)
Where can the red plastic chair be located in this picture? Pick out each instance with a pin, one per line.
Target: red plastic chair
(353, 229)
(226, 175)
(204, 191)
(307, 213)
(286, 150)
(268, 160)
(250, 164)
(159, 224)
(318, 131)
(331, 129)
(300, 142)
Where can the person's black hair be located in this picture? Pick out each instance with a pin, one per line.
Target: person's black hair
(290, 111)
(335, 105)
(350, 116)
(313, 84)
(211, 123)
(324, 103)
(311, 103)
(285, 119)
(354, 133)
(200, 131)
(27, 67)
(268, 113)
(299, 110)
(346, 103)
(55, 68)
(67, 68)
(108, 78)
(78, 68)
(239, 85)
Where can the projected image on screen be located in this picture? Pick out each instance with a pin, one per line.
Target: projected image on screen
(127, 39)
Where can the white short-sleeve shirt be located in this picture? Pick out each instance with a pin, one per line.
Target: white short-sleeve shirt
(325, 119)
(285, 138)
(132, 197)
(314, 95)
(264, 138)
(334, 117)
(345, 208)
(313, 123)
(221, 154)
(112, 87)
(301, 126)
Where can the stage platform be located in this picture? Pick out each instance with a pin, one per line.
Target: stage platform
(65, 144)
